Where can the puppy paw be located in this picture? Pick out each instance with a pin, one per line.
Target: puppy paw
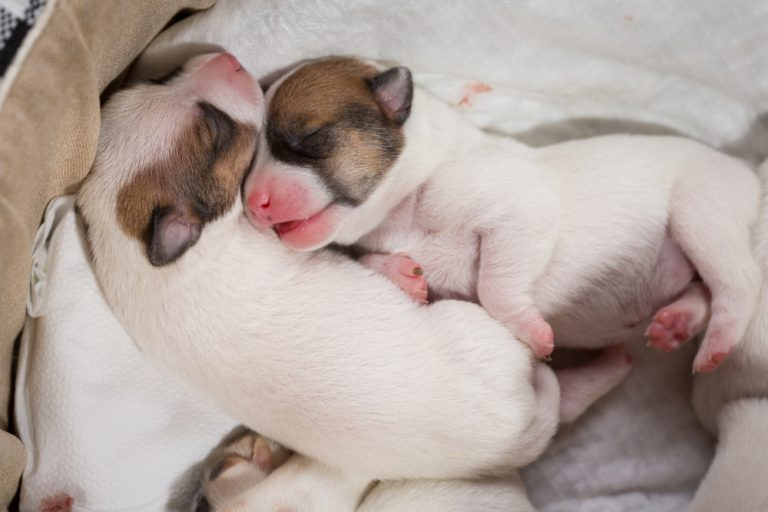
(59, 503)
(680, 321)
(401, 270)
(239, 464)
(714, 349)
(670, 329)
(538, 334)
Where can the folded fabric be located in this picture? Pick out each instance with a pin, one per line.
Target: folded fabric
(99, 422)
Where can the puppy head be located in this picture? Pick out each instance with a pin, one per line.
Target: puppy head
(333, 130)
(172, 154)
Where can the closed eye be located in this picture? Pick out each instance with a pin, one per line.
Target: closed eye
(316, 143)
(217, 125)
(167, 77)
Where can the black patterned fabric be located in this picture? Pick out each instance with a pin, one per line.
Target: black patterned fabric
(13, 29)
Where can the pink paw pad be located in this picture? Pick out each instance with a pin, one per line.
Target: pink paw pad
(59, 503)
(401, 270)
(711, 363)
(670, 329)
(714, 349)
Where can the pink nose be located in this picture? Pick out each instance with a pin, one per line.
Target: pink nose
(231, 61)
(259, 204)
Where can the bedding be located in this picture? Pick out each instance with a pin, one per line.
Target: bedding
(49, 104)
(543, 71)
(100, 423)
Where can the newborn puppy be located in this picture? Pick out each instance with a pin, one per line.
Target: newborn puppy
(312, 350)
(592, 235)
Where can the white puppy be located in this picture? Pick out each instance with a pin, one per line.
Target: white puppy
(312, 350)
(592, 235)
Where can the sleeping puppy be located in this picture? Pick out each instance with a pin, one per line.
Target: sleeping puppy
(588, 237)
(311, 350)
(733, 405)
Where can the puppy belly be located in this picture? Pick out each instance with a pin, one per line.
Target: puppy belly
(617, 302)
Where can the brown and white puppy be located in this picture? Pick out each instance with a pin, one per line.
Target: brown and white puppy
(312, 350)
(599, 238)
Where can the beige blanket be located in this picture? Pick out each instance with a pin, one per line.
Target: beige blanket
(49, 125)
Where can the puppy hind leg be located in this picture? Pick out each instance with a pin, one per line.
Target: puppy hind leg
(712, 224)
(506, 277)
(583, 385)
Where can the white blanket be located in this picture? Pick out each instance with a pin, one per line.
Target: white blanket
(99, 422)
(700, 68)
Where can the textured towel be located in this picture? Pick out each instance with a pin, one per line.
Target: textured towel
(99, 422)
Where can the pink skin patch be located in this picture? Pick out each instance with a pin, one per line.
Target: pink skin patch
(59, 503)
(401, 270)
(471, 89)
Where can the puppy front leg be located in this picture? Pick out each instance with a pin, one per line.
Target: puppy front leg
(402, 271)
(511, 260)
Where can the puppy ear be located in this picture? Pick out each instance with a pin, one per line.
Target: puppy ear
(394, 92)
(172, 231)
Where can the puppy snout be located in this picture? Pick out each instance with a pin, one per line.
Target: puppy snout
(259, 205)
(225, 62)
(218, 64)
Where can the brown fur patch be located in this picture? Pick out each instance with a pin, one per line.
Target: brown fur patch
(202, 176)
(325, 116)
